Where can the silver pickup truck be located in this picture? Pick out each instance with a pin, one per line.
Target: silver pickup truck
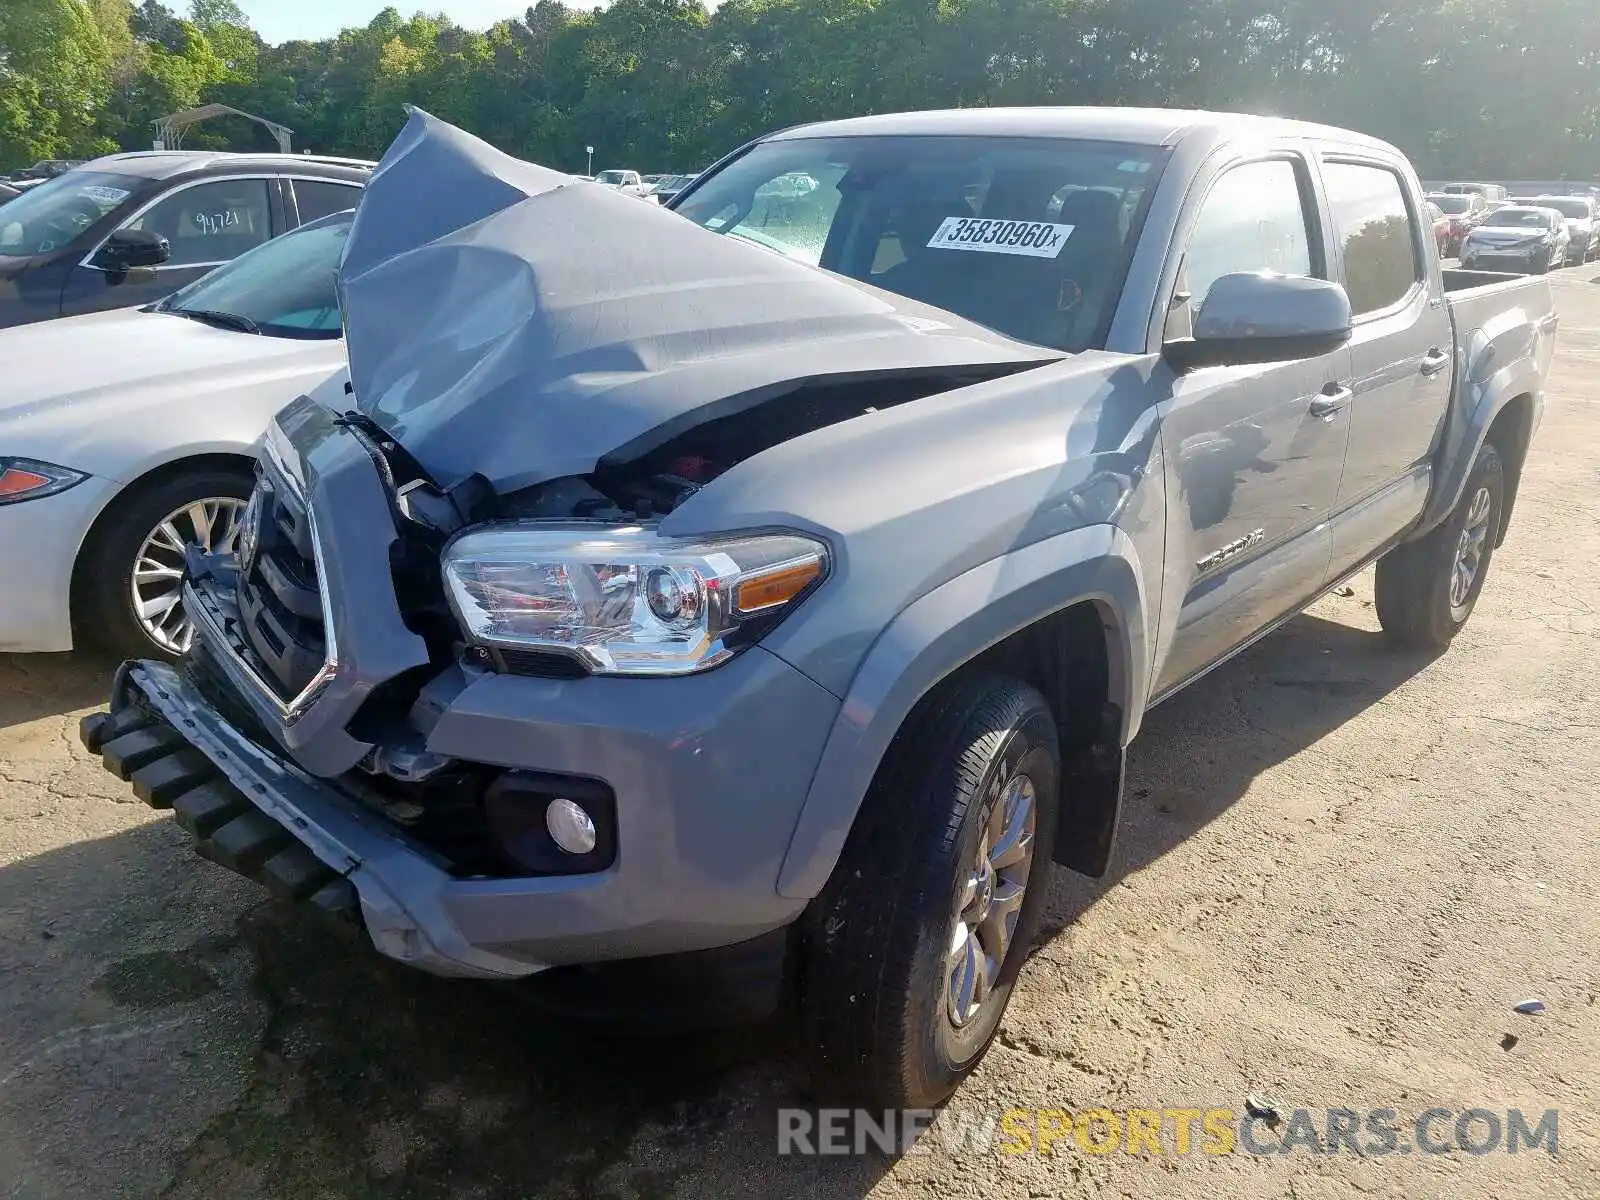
(752, 600)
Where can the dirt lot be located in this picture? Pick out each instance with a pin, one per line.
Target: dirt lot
(1342, 868)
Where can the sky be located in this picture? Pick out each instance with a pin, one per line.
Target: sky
(285, 20)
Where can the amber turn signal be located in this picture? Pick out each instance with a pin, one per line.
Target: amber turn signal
(777, 586)
(14, 481)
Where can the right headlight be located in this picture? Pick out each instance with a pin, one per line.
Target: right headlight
(625, 600)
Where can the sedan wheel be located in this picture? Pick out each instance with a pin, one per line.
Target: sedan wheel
(210, 524)
(127, 588)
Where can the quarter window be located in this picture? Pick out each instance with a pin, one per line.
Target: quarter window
(318, 198)
(210, 222)
(1254, 219)
(1382, 262)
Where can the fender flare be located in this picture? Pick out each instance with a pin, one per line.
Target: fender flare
(1482, 401)
(942, 631)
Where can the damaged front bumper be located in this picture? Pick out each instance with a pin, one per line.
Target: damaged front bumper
(258, 815)
(704, 813)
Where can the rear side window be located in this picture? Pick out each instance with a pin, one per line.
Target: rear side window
(318, 198)
(1382, 262)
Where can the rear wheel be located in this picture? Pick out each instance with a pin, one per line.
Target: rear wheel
(913, 947)
(1427, 589)
(131, 571)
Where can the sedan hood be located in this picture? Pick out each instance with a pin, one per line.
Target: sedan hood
(507, 320)
(69, 363)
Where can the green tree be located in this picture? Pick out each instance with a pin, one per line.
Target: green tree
(54, 78)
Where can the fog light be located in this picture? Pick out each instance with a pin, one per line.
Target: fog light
(570, 827)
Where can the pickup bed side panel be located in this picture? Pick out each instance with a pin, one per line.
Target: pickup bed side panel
(1505, 338)
(936, 635)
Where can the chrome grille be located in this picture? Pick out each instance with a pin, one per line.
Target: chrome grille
(279, 592)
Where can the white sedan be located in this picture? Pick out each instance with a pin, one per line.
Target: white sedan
(126, 436)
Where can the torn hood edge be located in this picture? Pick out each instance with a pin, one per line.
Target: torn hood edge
(511, 321)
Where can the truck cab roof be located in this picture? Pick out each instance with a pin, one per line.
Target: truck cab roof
(1139, 126)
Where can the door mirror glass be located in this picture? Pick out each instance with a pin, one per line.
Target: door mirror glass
(129, 248)
(1259, 318)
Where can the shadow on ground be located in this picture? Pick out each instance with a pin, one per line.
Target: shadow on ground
(34, 686)
(372, 1081)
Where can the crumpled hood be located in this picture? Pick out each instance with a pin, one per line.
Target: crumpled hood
(512, 321)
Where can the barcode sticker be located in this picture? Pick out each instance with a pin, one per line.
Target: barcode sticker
(994, 235)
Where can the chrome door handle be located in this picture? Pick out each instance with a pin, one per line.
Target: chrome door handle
(1330, 403)
(1434, 361)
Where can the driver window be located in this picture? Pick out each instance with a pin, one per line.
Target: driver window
(1254, 219)
(211, 222)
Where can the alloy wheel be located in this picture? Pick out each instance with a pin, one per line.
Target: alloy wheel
(156, 582)
(989, 902)
(1470, 549)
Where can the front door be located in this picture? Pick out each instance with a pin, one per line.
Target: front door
(207, 224)
(1253, 454)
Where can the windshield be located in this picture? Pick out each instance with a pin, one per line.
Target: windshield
(1455, 206)
(1518, 218)
(285, 287)
(1027, 236)
(612, 177)
(51, 215)
(1567, 206)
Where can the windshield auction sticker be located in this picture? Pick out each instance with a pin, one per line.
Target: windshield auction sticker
(993, 235)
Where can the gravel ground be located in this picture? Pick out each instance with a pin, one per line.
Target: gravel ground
(1341, 870)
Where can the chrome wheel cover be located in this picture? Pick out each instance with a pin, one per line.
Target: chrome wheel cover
(989, 901)
(156, 582)
(1470, 549)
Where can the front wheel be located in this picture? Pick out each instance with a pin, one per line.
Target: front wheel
(131, 571)
(1427, 589)
(913, 947)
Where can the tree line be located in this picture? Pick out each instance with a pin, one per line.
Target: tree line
(1467, 87)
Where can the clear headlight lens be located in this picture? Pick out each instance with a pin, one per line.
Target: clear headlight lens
(626, 601)
(26, 479)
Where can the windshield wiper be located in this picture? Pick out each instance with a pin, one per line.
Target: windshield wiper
(223, 320)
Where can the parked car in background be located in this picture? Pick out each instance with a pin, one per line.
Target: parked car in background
(128, 229)
(668, 186)
(1488, 191)
(629, 183)
(7, 192)
(1466, 212)
(127, 436)
(1442, 226)
(785, 635)
(45, 169)
(1520, 238)
(1580, 215)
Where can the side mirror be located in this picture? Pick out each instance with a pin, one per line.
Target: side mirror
(128, 248)
(1264, 318)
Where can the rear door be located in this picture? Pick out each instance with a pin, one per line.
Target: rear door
(1402, 354)
(208, 222)
(1253, 454)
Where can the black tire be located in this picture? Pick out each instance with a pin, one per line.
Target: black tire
(874, 975)
(1414, 580)
(103, 600)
